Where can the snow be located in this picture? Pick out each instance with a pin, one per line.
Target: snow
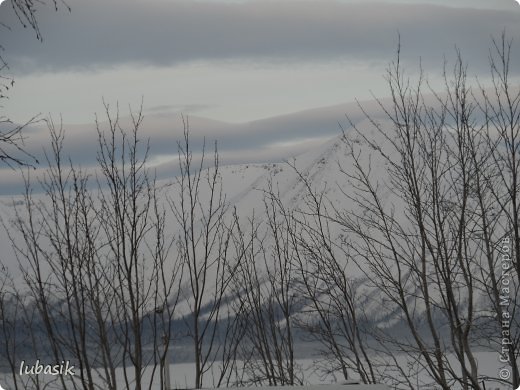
(182, 376)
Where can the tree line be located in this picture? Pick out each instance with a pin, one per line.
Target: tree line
(416, 277)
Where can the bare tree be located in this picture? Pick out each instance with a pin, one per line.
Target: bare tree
(9, 318)
(426, 233)
(200, 210)
(26, 10)
(12, 148)
(264, 286)
(335, 317)
(145, 277)
(19, 328)
(96, 261)
(499, 186)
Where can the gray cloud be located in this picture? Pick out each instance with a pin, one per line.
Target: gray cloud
(110, 33)
(167, 109)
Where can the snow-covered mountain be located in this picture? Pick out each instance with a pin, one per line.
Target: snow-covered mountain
(323, 168)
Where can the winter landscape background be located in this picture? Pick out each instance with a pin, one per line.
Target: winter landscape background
(373, 239)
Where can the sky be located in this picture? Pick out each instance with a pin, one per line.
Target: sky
(263, 77)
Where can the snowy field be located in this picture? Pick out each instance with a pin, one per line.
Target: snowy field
(182, 376)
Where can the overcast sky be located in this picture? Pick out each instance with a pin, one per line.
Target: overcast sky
(232, 62)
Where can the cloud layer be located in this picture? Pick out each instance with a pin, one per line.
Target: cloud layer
(159, 32)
